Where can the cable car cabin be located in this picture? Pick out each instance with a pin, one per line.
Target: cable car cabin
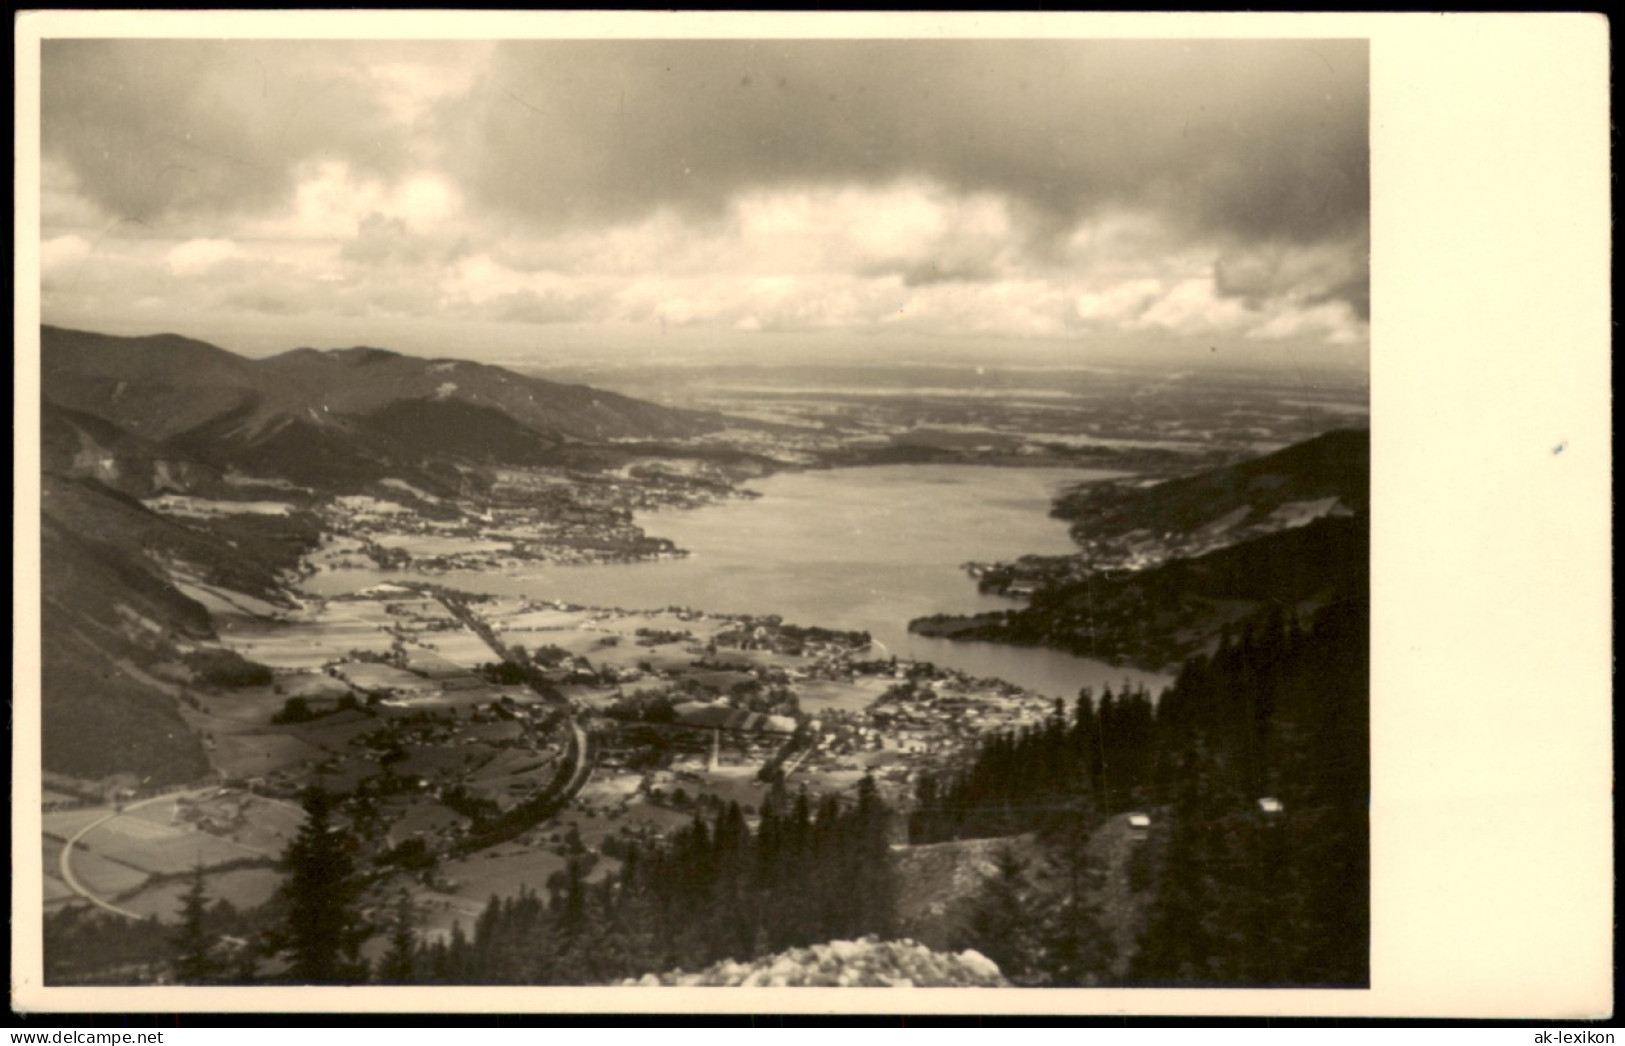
(1270, 806)
(1138, 825)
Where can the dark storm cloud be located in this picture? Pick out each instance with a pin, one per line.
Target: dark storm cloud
(1249, 138)
(156, 128)
(1063, 177)
(1334, 271)
(1355, 291)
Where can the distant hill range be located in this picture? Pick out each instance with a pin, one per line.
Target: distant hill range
(1165, 568)
(128, 418)
(336, 420)
(1327, 475)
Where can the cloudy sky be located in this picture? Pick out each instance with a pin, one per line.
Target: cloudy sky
(1108, 197)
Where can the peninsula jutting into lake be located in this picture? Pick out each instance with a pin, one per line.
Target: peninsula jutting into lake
(892, 553)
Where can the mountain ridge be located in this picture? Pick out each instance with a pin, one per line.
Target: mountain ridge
(1335, 464)
(330, 417)
(127, 418)
(1164, 568)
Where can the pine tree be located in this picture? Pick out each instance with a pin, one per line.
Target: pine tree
(1003, 925)
(399, 964)
(323, 930)
(632, 940)
(874, 876)
(195, 962)
(732, 913)
(1078, 950)
(448, 961)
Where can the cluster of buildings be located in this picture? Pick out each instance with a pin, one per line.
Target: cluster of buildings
(919, 719)
(534, 515)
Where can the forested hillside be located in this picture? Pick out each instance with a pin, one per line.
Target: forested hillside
(812, 871)
(1162, 614)
(1234, 502)
(1253, 769)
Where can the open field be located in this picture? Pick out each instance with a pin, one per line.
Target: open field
(451, 763)
(312, 685)
(506, 789)
(607, 790)
(460, 646)
(437, 913)
(576, 641)
(152, 846)
(822, 695)
(598, 698)
(536, 620)
(268, 825)
(311, 641)
(428, 661)
(661, 659)
(503, 871)
(250, 706)
(62, 824)
(227, 605)
(104, 877)
(513, 762)
(241, 887)
(366, 675)
(260, 752)
(173, 852)
(335, 732)
(605, 638)
(150, 824)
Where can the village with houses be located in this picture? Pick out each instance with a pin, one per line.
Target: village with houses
(443, 720)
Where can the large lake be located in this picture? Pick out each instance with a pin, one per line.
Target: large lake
(862, 549)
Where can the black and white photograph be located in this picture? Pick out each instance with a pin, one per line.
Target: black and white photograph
(752, 510)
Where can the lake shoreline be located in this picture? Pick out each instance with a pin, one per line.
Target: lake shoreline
(868, 549)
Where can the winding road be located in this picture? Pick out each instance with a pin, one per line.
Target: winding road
(584, 760)
(65, 862)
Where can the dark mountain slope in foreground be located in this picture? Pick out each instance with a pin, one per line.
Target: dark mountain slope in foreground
(106, 614)
(104, 714)
(110, 617)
